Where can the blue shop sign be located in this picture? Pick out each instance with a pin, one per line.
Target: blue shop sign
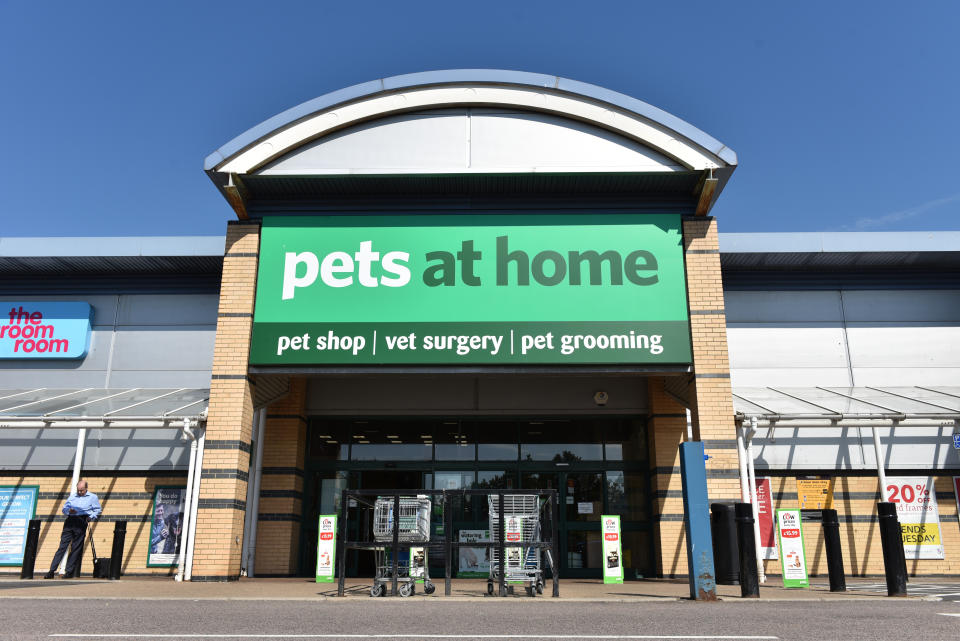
(35, 330)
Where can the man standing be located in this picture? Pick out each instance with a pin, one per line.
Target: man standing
(79, 508)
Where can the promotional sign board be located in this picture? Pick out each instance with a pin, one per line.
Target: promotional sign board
(32, 330)
(518, 288)
(793, 561)
(167, 526)
(768, 536)
(612, 549)
(18, 504)
(956, 491)
(474, 562)
(916, 501)
(326, 547)
(815, 494)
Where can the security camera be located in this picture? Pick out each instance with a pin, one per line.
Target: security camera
(601, 398)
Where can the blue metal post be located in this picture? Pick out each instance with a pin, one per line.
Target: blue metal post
(696, 522)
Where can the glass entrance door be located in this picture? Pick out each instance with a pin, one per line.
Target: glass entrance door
(580, 505)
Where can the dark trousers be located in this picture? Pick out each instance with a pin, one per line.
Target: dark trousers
(74, 531)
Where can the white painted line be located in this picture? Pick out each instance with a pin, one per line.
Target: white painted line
(408, 636)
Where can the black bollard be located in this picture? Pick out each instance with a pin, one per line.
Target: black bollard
(116, 553)
(892, 541)
(749, 580)
(30, 549)
(831, 539)
(726, 558)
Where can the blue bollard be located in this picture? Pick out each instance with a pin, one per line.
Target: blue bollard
(696, 522)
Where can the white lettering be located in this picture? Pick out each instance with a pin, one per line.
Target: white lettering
(290, 279)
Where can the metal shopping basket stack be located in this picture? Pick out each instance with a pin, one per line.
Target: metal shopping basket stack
(519, 523)
(413, 527)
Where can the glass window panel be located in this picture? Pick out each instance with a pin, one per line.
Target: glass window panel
(488, 480)
(627, 441)
(329, 441)
(453, 442)
(391, 441)
(584, 550)
(560, 441)
(587, 492)
(628, 495)
(496, 441)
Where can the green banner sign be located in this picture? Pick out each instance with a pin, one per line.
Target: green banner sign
(471, 289)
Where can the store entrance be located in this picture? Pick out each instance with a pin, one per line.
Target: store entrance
(598, 465)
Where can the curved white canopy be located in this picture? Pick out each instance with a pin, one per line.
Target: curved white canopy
(537, 103)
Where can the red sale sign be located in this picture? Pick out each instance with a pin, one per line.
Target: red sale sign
(768, 535)
(916, 500)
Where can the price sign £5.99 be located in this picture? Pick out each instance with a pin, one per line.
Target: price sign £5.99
(916, 501)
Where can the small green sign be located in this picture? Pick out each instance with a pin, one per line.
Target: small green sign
(612, 549)
(793, 561)
(326, 547)
(471, 289)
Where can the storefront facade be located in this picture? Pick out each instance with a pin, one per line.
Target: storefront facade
(496, 279)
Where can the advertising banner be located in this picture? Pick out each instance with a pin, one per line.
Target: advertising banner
(815, 494)
(474, 562)
(768, 535)
(919, 517)
(167, 526)
(32, 330)
(612, 549)
(956, 491)
(518, 288)
(18, 504)
(326, 547)
(793, 561)
(418, 563)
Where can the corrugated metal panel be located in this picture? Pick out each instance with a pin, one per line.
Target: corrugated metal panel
(86, 265)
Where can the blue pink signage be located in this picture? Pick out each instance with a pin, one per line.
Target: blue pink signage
(32, 330)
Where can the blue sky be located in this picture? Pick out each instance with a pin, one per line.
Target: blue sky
(844, 114)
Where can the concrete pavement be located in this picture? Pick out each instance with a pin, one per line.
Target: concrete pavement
(358, 589)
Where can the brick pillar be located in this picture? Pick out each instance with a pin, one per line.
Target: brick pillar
(666, 426)
(281, 489)
(223, 490)
(710, 393)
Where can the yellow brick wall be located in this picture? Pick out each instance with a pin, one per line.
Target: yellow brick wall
(666, 427)
(223, 489)
(126, 497)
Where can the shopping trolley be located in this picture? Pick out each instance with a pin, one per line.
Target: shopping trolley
(413, 526)
(519, 523)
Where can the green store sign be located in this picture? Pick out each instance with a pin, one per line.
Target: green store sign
(471, 289)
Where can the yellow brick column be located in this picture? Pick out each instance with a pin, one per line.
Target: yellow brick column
(710, 393)
(281, 488)
(226, 459)
(667, 423)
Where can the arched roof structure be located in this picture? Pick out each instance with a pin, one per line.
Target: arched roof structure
(470, 123)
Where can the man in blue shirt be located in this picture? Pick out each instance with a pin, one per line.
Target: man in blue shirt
(79, 508)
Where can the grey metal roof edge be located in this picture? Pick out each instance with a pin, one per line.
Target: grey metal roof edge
(454, 76)
(90, 246)
(839, 242)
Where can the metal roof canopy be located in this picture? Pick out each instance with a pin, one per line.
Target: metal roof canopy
(101, 408)
(887, 406)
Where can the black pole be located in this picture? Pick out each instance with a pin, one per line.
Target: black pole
(501, 525)
(749, 581)
(340, 558)
(30, 549)
(555, 542)
(116, 552)
(447, 539)
(396, 541)
(893, 556)
(831, 539)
